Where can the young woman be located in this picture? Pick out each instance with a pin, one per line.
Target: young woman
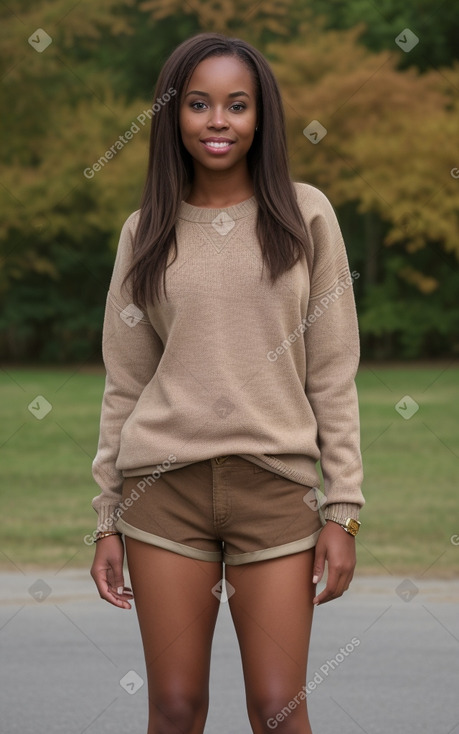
(222, 393)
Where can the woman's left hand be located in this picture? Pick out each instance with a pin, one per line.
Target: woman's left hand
(337, 548)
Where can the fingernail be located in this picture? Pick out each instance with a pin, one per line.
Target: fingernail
(315, 579)
(119, 590)
(316, 603)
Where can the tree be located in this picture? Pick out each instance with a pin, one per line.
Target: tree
(59, 228)
(388, 153)
(435, 24)
(387, 162)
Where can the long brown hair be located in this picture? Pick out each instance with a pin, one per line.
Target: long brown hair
(280, 225)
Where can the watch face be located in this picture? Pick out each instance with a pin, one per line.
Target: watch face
(353, 526)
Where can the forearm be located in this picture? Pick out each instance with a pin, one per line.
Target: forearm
(332, 360)
(131, 351)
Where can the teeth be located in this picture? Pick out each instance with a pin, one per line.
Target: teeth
(217, 145)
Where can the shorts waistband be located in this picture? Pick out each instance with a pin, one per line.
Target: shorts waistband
(229, 459)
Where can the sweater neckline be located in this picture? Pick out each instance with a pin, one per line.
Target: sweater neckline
(193, 213)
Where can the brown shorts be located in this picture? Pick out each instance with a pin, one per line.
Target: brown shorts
(221, 509)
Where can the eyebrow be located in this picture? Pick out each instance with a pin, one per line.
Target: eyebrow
(205, 94)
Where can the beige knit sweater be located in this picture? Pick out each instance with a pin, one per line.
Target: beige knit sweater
(231, 364)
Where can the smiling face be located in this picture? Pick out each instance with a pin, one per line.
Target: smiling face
(218, 113)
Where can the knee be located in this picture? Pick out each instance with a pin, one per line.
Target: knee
(176, 711)
(279, 713)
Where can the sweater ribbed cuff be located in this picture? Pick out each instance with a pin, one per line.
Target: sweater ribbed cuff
(341, 511)
(107, 517)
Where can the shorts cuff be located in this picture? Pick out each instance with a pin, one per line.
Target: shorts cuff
(296, 546)
(171, 545)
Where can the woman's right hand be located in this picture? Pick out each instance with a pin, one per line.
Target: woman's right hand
(107, 571)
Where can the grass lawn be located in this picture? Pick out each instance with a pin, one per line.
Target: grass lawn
(411, 468)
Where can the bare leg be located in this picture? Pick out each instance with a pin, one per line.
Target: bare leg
(177, 613)
(272, 612)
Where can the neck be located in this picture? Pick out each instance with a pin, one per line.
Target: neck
(219, 189)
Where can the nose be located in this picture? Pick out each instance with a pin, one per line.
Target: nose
(217, 118)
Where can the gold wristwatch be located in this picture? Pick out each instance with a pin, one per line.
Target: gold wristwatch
(350, 525)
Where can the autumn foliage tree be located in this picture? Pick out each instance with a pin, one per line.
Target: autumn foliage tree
(387, 162)
(388, 159)
(58, 228)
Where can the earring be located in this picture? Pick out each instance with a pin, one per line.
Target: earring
(256, 128)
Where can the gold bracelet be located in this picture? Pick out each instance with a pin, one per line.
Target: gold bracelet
(105, 534)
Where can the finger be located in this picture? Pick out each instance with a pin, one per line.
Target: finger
(117, 587)
(335, 587)
(115, 578)
(122, 592)
(109, 594)
(115, 582)
(119, 600)
(319, 564)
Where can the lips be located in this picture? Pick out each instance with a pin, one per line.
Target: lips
(217, 145)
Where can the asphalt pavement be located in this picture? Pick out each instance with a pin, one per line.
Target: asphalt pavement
(383, 659)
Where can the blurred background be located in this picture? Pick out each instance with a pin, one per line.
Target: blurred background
(380, 83)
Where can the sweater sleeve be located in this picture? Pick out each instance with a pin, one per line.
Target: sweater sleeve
(332, 358)
(131, 351)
